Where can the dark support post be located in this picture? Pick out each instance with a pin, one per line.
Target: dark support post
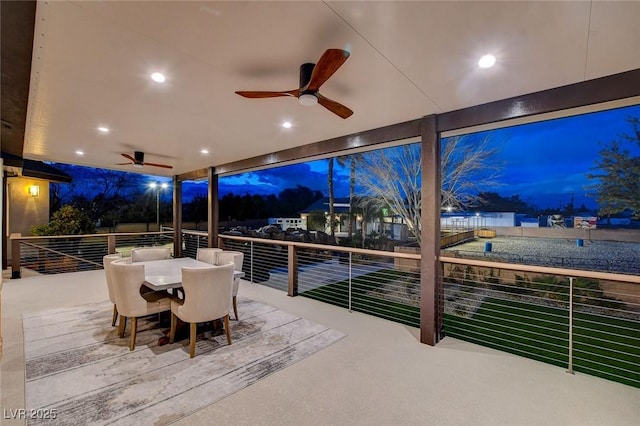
(177, 217)
(15, 257)
(293, 271)
(212, 218)
(431, 307)
(111, 244)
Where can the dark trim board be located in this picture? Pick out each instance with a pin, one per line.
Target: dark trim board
(605, 89)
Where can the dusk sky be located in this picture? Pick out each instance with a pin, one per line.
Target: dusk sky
(544, 163)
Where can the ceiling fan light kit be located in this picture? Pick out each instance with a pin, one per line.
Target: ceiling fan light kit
(312, 76)
(307, 99)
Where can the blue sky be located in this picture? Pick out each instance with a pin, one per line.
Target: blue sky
(546, 163)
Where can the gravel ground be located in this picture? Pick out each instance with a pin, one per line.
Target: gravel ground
(607, 256)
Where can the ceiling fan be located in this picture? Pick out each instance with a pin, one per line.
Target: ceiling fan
(138, 161)
(312, 76)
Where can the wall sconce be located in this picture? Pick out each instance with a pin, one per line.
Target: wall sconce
(33, 190)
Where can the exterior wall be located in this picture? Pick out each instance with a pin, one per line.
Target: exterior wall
(26, 211)
(626, 235)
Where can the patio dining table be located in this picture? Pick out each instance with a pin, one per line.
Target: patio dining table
(167, 273)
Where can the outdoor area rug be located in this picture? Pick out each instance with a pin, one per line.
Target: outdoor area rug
(77, 365)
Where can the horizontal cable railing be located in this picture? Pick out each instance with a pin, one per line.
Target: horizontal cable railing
(584, 321)
(72, 253)
(380, 283)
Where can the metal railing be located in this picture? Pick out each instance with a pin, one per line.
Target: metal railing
(71, 253)
(581, 320)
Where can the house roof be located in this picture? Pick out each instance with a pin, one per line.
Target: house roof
(340, 205)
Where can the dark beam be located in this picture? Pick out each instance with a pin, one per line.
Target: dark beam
(590, 92)
(430, 277)
(177, 217)
(194, 175)
(213, 209)
(394, 132)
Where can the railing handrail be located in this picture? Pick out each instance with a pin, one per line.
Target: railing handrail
(19, 236)
(634, 279)
(39, 247)
(344, 249)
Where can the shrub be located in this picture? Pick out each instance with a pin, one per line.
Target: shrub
(66, 221)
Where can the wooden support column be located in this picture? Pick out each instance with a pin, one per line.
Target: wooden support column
(431, 307)
(15, 255)
(177, 217)
(213, 210)
(293, 271)
(111, 244)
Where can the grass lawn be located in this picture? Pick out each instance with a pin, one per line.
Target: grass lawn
(603, 346)
(338, 294)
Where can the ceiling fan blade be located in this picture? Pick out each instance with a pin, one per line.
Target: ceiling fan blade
(127, 156)
(166, 166)
(255, 94)
(328, 64)
(333, 106)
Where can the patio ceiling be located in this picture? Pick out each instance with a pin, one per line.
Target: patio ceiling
(92, 61)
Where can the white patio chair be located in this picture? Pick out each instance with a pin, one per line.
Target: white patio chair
(206, 298)
(237, 257)
(143, 254)
(127, 280)
(106, 263)
(205, 254)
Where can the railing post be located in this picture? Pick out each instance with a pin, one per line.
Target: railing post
(15, 256)
(221, 243)
(570, 367)
(350, 281)
(293, 271)
(111, 244)
(251, 265)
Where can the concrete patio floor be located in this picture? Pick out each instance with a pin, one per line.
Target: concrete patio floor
(378, 375)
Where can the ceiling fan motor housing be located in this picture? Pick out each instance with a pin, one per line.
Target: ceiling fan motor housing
(139, 156)
(306, 97)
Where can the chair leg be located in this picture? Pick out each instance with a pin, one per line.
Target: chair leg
(121, 325)
(235, 308)
(193, 327)
(174, 324)
(115, 315)
(134, 326)
(226, 328)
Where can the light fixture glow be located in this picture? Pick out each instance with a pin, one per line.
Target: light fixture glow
(487, 61)
(103, 129)
(308, 99)
(204, 151)
(158, 77)
(164, 185)
(33, 190)
(286, 125)
(79, 153)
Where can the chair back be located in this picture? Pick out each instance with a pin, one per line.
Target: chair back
(226, 256)
(235, 257)
(106, 263)
(207, 255)
(143, 254)
(207, 292)
(127, 279)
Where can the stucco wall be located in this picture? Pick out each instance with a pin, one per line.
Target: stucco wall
(25, 210)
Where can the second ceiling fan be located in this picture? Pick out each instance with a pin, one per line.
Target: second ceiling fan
(312, 76)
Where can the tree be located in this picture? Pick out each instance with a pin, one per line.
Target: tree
(617, 185)
(394, 176)
(352, 160)
(66, 221)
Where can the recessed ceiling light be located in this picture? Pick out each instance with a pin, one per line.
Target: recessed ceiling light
(204, 151)
(80, 153)
(286, 125)
(487, 61)
(103, 129)
(158, 77)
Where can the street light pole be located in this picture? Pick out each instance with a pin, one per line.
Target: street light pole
(158, 187)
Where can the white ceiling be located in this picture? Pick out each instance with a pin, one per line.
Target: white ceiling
(92, 62)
